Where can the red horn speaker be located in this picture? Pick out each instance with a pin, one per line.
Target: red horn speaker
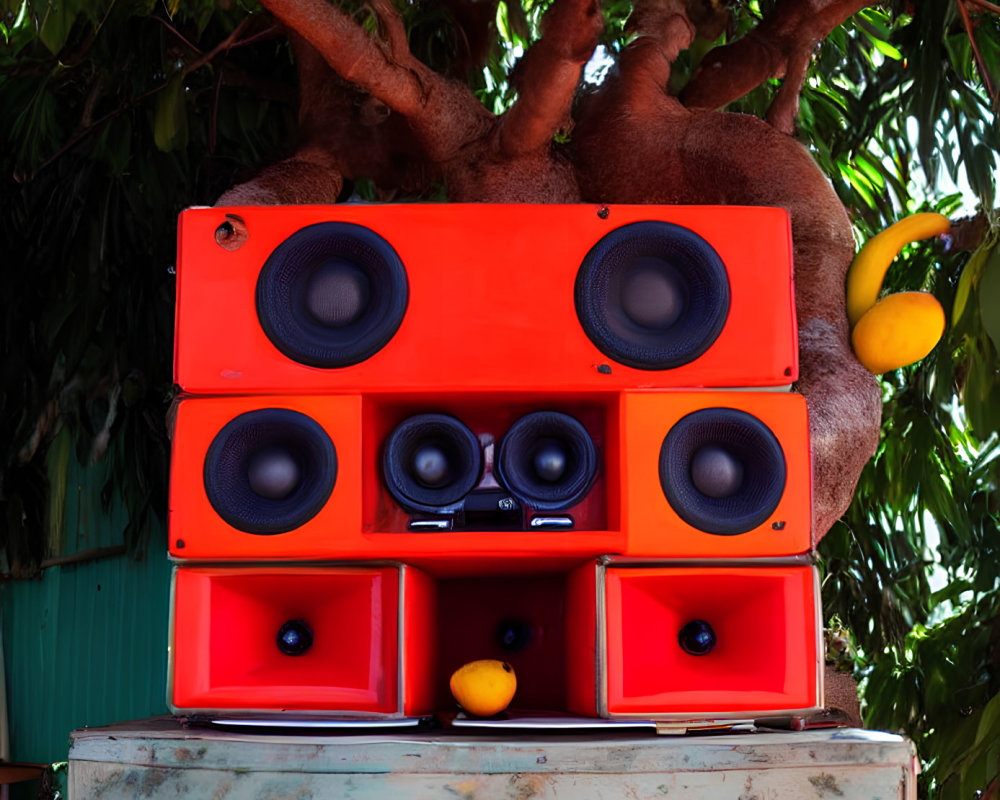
(301, 640)
(723, 474)
(709, 642)
(494, 297)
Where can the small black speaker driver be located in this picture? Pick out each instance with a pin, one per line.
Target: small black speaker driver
(430, 462)
(547, 460)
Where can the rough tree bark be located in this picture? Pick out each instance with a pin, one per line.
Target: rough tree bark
(371, 109)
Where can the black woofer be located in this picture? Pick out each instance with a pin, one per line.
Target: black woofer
(652, 295)
(332, 295)
(722, 470)
(270, 470)
(431, 462)
(547, 460)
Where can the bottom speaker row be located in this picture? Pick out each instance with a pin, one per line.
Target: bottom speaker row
(603, 640)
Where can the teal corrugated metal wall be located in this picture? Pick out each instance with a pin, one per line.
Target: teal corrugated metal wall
(85, 645)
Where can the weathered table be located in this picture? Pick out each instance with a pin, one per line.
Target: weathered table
(159, 758)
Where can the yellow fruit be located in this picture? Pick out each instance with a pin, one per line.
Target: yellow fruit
(898, 330)
(484, 687)
(864, 278)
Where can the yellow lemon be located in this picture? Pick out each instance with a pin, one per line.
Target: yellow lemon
(484, 687)
(899, 329)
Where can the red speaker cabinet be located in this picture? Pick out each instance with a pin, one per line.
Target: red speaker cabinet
(299, 641)
(460, 297)
(716, 474)
(272, 478)
(688, 642)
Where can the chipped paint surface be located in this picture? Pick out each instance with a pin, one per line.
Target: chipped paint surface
(164, 760)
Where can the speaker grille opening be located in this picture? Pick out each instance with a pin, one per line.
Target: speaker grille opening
(431, 462)
(547, 460)
(270, 471)
(332, 295)
(652, 295)
(722, 470)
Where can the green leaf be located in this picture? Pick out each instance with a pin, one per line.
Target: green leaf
(989, 296)
(170, 120)
(970, 276)
(56, 25)
(886, 49)
(57, 464)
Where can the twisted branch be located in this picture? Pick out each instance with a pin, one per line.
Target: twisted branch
(549, 76)
(785, 38)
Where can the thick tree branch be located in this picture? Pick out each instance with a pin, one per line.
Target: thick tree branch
(549, 75)
(443, 114)
(354, 54)
(661, 30)
(785, 107)
(793, 28)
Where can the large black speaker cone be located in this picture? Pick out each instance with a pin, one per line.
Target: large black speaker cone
(547, 460)
(652, 295)
(431, 462)
(722, 470)
(332, 295)
(270, 470)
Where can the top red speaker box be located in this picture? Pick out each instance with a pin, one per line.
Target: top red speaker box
(351, 298)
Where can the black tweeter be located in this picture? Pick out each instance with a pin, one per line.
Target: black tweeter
(547, 460)
(431, 462)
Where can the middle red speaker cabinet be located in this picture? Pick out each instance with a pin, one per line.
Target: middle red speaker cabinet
(303, 477)
(496, 297)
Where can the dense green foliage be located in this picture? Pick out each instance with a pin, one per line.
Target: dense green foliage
(117, 115)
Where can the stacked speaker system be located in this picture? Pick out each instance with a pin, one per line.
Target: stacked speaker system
(411, 436)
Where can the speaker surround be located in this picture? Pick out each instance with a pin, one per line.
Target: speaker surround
(332, 295)
(652, 295)
(547, 460)
(722, 470)
(270, 470)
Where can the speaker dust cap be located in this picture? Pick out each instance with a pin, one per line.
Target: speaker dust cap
(332, 295)
(270, 471)
(652, 295)
(547, 460)
(722, 470)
